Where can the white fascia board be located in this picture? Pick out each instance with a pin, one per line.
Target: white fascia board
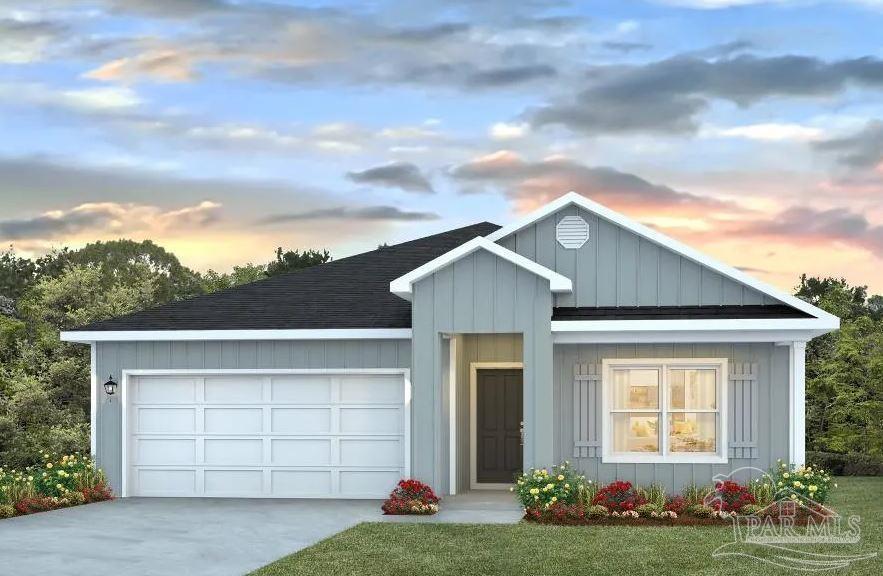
(402, 285)
(184, 335)
(659, 331)
(666, 241)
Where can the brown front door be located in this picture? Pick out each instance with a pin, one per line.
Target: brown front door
(499, 401)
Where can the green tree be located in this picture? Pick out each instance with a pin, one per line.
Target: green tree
(844, 370)
(246, 274)
(291, 260)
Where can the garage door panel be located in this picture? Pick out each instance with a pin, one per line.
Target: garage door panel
(363, 482)
(301, 389)
(238, 482)
(266, 435)
(301, 452)
(362, 452)
(300, 420)
(371, 390)
(239, 390)
(371, 421)
(300, 482)
(166, 391)
(233, 420)
(161, 482)
(165, 451)
(165, 421)
(234, 451)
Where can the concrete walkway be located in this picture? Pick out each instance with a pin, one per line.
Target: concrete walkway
(475, 507)
(171, 536)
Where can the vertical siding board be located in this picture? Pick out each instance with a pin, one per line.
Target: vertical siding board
(669, 278)
(545, 241)
(585, 279)
(732, 292)
(690, 283)
(504, 302)
(484, 284)
(526, 242)
(607, 261)
(711, 288)
(565, 258)
(648, 274)
(464, 273)
(444, 298)
(627, 284)
(213, 354)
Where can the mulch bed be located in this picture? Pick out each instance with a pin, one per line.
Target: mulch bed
(801, 520)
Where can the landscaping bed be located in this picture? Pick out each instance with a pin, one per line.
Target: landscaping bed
(559, 495)
(69, 480)
(393, 549)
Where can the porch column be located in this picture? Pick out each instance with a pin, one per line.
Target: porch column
(797, 402)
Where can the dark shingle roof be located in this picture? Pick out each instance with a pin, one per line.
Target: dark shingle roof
(347, 293)
(677, 312)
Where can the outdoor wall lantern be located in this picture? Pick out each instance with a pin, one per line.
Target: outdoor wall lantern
(110, 386)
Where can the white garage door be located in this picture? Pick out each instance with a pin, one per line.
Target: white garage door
(266, 435)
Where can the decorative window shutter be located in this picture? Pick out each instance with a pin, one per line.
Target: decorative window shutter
(587, 410)
(742, 419)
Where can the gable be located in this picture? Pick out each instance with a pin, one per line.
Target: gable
(403, 286)
(617, 267)
(618, 273)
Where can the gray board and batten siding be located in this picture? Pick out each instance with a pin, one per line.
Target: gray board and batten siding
(114, 357)
(480, 293)
(757, 419)
(616, 267)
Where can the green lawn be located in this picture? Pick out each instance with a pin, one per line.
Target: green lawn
(461, 549)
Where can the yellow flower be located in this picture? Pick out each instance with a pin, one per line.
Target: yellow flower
(560, 477)
(534, 490)
(813, 487)
(567, 486)
(794, 496)
(554, 498)
(549, 486)
(785, 475)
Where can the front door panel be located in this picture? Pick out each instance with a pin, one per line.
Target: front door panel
(499, 401)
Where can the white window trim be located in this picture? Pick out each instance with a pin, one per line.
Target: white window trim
(135, 373)
(607, 454)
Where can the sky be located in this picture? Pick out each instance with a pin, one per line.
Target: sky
(750, 129)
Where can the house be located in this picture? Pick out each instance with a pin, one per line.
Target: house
(573, 334)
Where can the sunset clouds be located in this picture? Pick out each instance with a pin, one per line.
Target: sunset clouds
(223, 129)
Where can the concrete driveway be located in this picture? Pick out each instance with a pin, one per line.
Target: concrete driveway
(161, 536)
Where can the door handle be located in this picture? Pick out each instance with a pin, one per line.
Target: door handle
(521, 431)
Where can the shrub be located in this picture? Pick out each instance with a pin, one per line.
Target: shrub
(410, 497)
(751, 509)
(597, 511)
(763, 491)
(7, 511)
(676, 504)
(586, 491)
(543, 488)
(700, 510)
(38, 504)
(652, 494)
(847, 464)
(648, 510)
(618, 496)
(794, 482)
(16, 485)
(729, 496)
(694, 494)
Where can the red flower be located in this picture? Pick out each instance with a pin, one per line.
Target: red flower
(729, 496)
(410, 497)
(618, 496)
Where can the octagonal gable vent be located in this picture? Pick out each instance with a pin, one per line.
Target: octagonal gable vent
(572, 232)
